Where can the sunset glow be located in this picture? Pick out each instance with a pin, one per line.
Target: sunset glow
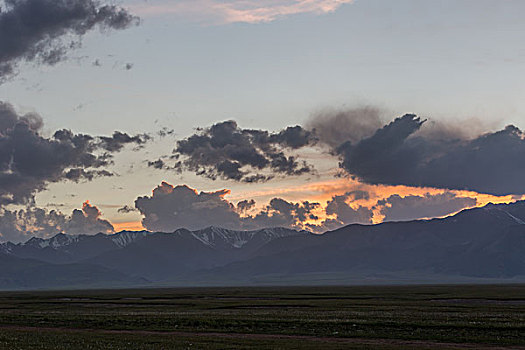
(295, 113)
(128, 226)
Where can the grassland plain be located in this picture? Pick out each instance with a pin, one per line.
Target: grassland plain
(379, 317)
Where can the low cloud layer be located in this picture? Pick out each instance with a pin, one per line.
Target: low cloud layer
(281, 213)
(87, 221)
(398, 154)
(43, 31)
(343, 213)
(30, 161)
(227, 151)
(397, 208)
(169, 208)
(232, 11)
(172, 207)
(20, 225)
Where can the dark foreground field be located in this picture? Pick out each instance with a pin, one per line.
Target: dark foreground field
(408, 317)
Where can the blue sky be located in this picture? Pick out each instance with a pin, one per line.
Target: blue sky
(193, 64)
(445, 59)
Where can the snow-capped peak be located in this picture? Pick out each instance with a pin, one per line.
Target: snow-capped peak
(62, 240)
(124, 238)
(55, 242)
(216, 236)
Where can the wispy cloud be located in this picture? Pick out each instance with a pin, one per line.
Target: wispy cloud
(232, 11)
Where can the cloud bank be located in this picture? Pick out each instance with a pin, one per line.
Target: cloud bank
(20, 225)
(398, 154)
(341, 212)
(172, 207)
(397, 208)
(169, 208)
(238, 11)
(43, 31)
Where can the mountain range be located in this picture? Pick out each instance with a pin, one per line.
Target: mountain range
(476, 245)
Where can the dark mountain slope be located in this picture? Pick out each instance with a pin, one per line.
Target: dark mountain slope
(161, 256)
(19, 273)
(485, 242)
(481, 243)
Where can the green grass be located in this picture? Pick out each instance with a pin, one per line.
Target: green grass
(340, 317)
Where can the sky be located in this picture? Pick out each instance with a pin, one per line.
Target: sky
(248, 114)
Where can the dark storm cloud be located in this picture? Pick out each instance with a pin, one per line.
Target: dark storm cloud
(397, 208)
(385, 149)
(407, 151)
(172, 207)
(44, 31)
(20, 225)
(29, 161)
(398, 154)
(226, 151)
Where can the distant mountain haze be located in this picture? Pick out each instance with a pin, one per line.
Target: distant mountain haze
(481, 244)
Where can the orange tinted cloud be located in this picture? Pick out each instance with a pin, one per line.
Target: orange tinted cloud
(233, 11)
(324, 191)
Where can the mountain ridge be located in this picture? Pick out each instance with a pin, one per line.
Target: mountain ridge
(479, 243)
